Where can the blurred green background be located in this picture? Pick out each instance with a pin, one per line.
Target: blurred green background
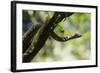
(76, 49)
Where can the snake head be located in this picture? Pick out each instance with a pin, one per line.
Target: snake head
(75, 36)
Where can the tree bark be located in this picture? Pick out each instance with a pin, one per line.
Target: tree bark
(27, 38)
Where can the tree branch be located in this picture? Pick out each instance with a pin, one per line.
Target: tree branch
(44, 33)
